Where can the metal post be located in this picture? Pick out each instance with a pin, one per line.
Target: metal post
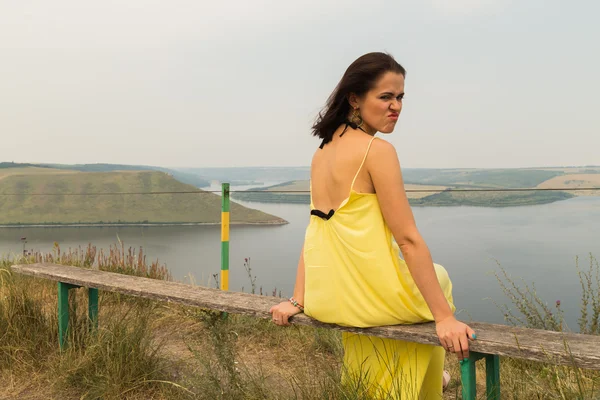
(492, 376)
(225, 236)
(93, 308)
(63, 312)
(468, 375)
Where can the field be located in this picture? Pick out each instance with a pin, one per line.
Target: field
(575, 180)
(32, 196)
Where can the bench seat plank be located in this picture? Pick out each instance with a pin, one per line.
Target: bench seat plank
(529, 344)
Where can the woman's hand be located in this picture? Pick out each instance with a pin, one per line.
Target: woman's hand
(454, 336)
(283, 311)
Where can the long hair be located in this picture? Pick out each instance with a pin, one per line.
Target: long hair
(359, 78)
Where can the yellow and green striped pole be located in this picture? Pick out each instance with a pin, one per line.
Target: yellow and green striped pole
(225, 236)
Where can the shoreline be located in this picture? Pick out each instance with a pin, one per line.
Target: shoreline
(134, 224)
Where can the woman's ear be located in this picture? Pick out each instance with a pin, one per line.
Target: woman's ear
(353, 100)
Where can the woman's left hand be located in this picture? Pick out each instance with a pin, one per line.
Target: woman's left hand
(282, 312)
(454, 336)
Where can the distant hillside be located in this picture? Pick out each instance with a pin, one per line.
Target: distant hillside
(490, 199)
(465, 177)
(24, 199)
(247, 175)
(189, 178)
(435, 186)
(276, 193)
(502, 178)
(586, 179)
(299, 192)
(6, 165)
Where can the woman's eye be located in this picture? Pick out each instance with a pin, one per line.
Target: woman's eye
(388, 97)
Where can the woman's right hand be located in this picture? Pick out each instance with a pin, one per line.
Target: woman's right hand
(454, 336)
(283, 311)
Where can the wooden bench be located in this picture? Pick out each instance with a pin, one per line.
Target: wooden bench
(492, 341)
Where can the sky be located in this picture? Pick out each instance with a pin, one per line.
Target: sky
(197, 83)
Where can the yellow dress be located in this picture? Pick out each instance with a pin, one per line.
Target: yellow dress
(354, 276)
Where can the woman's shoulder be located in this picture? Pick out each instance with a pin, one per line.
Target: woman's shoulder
(381, 145)
(382, 156)
(381, 149)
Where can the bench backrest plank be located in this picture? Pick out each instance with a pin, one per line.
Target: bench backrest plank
(530, 344)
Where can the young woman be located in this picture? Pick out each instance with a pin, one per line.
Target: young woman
(350, 271)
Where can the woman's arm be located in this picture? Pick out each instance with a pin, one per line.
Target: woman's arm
(384, 168)
(299, 286)
(284, 310)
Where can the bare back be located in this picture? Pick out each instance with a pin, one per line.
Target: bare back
(335, 166)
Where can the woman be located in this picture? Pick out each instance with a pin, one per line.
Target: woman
(350, 271)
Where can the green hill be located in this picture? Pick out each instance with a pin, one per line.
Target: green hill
(490, 199)
(32, 196)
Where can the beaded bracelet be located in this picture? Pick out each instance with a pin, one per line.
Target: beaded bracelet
(296, 304)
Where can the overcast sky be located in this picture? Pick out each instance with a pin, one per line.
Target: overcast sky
(198, 83)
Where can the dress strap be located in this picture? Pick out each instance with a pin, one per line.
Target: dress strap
(362, 163)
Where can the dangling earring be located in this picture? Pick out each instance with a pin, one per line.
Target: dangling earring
(356, 116)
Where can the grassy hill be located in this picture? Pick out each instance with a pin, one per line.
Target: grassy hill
(575, 180)
(490, 199)
(31, 196)
(185, 177)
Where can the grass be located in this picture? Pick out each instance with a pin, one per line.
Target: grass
(20, 207)
(145, 349)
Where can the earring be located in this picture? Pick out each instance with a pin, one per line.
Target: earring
(356, 116)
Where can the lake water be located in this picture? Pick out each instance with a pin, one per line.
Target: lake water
(536, 243)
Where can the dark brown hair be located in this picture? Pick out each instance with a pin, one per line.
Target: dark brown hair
(359, 78)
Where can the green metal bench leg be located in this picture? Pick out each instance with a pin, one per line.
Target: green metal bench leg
(468, 376)
(63, 312)
(93, 308)
(492, 376)
(469, 380)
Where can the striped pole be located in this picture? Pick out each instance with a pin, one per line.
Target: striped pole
(225, 236)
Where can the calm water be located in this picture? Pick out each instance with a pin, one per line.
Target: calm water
(537, 243)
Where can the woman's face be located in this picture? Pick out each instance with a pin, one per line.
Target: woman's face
(380, 107)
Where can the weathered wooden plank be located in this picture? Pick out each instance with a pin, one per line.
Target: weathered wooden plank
(529, 344)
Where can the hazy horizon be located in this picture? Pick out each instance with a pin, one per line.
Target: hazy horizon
(293, 166)
(490, 83)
